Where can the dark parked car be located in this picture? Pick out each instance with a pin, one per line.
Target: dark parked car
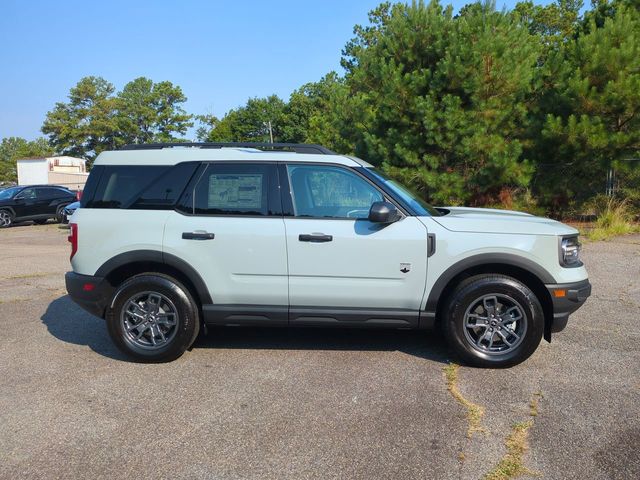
(38, 203)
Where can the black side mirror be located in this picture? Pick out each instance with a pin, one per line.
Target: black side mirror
(383, 212)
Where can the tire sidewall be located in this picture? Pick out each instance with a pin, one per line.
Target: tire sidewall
(188, 321)
(469, 292)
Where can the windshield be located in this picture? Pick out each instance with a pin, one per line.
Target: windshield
(8, 193)
(418, 204)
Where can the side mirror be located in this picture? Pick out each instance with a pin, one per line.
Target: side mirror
(383, 212)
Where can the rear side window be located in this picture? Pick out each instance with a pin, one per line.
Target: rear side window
(120, 185)
(137, 186)
(163, 193)
(51, 193)
(235, 189)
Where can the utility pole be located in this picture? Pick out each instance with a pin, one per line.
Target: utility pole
(270, 131)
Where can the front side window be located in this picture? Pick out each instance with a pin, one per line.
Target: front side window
(233, 189)
(27, 194)
(326, 191)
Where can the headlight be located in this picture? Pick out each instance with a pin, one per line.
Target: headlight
(570, 252)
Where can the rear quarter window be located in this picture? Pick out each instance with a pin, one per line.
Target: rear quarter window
(136, 186)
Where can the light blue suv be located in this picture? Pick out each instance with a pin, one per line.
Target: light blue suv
(172, 237)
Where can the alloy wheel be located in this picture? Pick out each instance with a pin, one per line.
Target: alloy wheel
(149, 320)
(495, 324)
(5, 218)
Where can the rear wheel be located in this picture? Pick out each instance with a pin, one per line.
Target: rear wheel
(154, 318)
(6, 218)
(60, 214)
(493, 321)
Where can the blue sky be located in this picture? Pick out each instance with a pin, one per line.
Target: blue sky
(220, 53)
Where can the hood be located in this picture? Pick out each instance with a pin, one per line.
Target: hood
(489, 220)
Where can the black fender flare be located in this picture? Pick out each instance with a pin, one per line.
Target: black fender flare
(156, 256)
(482, 259)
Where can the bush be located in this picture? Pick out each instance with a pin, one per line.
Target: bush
(614, 217)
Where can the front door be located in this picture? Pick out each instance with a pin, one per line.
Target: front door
(344, 269)
(26, 203)
(232, 233)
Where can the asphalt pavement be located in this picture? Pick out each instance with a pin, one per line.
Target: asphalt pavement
(309, 403)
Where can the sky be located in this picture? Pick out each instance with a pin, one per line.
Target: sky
(219, 52)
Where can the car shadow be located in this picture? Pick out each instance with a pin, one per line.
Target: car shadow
(69, 323)
(426, 345)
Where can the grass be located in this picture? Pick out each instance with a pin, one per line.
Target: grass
(511, 465)
(474, 411)
(28, 275)
(614, 218)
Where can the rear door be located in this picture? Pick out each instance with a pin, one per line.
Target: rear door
(230, 229)
(48, 199)
(344, 269)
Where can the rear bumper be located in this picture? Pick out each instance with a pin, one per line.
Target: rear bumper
(567, 298)
(91, 293)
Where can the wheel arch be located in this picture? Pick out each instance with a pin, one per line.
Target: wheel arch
(10, 209)
(526, 271)
(125, 265)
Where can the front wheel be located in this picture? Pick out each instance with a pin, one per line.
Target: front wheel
(153, 319)
(6, 218)
(493, 321)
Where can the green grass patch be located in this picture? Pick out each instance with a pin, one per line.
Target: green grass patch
(474, 411)
(511, 465)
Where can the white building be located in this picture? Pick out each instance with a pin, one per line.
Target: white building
(70, 172)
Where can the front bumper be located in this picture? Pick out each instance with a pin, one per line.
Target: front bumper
(566, 299)
(91, 293)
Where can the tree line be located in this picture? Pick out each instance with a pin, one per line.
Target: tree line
(534, 108)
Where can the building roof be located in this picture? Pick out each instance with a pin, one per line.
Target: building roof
(51, 157)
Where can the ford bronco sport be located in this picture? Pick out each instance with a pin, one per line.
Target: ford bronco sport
(173, 237)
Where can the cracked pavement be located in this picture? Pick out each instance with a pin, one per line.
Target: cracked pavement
(314, 403)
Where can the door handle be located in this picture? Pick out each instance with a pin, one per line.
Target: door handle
(198, 235)
(315, 237)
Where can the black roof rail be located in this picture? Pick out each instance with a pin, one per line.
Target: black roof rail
(284, 147)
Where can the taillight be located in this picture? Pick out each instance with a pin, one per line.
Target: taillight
(73, 239)
(79, 195)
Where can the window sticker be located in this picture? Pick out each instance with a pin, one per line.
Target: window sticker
(236, 191)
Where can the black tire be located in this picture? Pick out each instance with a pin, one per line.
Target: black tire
(41, 221)
(187, 322)
(6, 218)
(472, 343)
(60, 214)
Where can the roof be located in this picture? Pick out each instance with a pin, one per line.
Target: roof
(177, 154)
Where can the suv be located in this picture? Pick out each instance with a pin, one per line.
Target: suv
(173, 237)
(36, 202)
